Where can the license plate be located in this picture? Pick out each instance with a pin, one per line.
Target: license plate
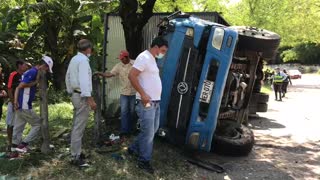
(206, 91)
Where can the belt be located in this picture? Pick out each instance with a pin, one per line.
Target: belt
(77, 91)
(139, 100)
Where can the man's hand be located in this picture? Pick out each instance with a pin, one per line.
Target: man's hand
(101, 74)
(98, 74)
(16, 105)
(91, 103)
(145, 99)
(3, 93)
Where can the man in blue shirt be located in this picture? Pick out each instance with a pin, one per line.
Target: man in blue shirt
(24, 96)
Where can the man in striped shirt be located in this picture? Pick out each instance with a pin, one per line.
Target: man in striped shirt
(24, 96)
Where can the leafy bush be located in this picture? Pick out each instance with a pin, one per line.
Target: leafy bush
(289, 55)
(55, 96)
(306, 53)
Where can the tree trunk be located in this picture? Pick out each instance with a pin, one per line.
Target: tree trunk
(97, 113)
(45, 148)
(59, 72)
(133, 23)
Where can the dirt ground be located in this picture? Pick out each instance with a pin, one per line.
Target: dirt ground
(287, 139)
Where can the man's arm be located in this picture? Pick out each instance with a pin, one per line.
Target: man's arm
(133, 77)
(106, 74)
(114, 72)
(85, 80)
(21, 86)
(11, 95)
(68, 81)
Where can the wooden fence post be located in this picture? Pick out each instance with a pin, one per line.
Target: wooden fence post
(97, 114)
(43, 86)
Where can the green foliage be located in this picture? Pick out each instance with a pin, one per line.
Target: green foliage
(52, 28)
(294, 20)
(305, 53)
(57, 96)
(289, 55)
(308, 53)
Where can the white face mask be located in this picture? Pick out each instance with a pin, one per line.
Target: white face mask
(160, 56)
(88, 55)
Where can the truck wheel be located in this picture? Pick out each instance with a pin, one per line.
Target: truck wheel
(256, 39)
(262, 107)
(252, 109)
(232, 139)
(259, 98)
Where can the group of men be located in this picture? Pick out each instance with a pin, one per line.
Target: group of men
(141, 89)
(21, 93)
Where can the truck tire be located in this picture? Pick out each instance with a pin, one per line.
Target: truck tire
(262, 107)
(252, 109)
(232, 139)
(259, 98)
(256, 39)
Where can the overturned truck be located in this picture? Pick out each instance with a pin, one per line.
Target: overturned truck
(211, 79)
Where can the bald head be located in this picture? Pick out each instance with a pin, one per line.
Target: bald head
(85, 46)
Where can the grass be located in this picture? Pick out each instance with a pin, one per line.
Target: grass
(167, 159)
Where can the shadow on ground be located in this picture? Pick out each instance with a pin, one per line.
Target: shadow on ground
(262, 123)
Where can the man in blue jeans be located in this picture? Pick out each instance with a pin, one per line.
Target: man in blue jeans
(128, 93)
(144, 77)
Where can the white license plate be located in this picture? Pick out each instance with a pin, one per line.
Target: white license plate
(206, 91)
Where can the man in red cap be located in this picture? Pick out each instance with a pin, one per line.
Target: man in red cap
(127, 97)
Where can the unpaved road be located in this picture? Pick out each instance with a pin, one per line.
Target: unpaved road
(287, 139)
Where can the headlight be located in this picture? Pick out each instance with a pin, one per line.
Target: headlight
(218, 38)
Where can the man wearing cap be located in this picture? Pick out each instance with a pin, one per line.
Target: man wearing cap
(128, 93)
(23, 98)
(79, 84)
(13, 83)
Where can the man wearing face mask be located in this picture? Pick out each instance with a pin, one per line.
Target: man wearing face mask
(79, 84)
(128, 93)
(144, 77)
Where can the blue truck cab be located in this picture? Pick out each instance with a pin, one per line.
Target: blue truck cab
(208, 77)
(194, 73)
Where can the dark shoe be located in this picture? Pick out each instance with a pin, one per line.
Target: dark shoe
(13, 155)
(80, 163)
(124, 135)
(83, 156)
(146, 166)
(132, 153)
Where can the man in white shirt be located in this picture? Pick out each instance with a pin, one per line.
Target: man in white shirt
(144, 77)
(79, 84)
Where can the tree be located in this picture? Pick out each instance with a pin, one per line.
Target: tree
(53, 28)
(134, 16)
